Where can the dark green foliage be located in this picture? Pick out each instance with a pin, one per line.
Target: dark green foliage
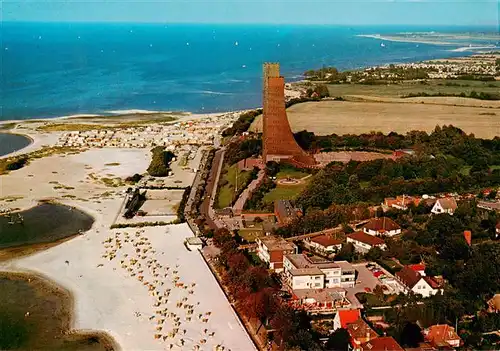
(134, 179)
(160, 162)
(242, 123)
(473, 95)
(256, 200)
(16, 164)
(242, 149)
(305, 139)
(339, 340)
(182, 205)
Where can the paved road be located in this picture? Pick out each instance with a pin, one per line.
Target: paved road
(205, 207)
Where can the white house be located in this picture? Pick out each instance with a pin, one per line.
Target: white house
(325, 244)
(445, 205)
(302, 272)
(364, 242)
(382, 226)
(412, 281)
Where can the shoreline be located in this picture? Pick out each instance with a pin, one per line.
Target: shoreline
(51, 287)
(26, 136)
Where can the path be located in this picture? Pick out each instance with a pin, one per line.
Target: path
(240, 203)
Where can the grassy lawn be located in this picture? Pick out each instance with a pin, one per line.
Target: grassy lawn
(284, 192)
(250, 234)
(291, 173)
(227, 191)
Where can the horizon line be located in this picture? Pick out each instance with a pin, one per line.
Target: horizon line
(253, 23)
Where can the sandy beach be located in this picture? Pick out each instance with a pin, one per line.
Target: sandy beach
(140, 285)
(168, 299)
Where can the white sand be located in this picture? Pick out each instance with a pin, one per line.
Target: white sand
(108, 298)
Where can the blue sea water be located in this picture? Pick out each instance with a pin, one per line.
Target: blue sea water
(56, 69)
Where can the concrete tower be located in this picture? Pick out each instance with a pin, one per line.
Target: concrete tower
(278, 141)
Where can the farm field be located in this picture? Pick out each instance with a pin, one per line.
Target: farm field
(344, 117)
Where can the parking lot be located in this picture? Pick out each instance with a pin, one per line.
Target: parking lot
(369, 275)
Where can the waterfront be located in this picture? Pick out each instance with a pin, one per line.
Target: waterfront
(12, 142)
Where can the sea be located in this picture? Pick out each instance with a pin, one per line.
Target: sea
(60, 69)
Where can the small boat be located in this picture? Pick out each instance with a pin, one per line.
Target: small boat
(382, 45)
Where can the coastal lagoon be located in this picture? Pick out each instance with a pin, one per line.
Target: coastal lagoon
(98, 67)
(44, 223)
(35, 314)
(12, 142)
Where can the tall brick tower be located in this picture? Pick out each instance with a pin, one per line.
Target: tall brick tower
(278, 141)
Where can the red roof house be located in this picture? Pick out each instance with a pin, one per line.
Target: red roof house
(345, 317)
(442, 335)
(382, 226)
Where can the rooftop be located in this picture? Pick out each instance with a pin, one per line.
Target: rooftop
(320, 295)
(448, 203)
(276, 243)
(360, 329)
(302, 261)
(366, 238)
(408, 276)
(348, 316)
(440, 334)
(326, 240)
(306, 271)
(382, 224)
(383, 343)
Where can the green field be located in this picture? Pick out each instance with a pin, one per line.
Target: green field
(404, 88)
(226, 192)
(47, 325)
(284, 192)
(291, 173)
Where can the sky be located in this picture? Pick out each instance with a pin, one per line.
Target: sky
(342, 12)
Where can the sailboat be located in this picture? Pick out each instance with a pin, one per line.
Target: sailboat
(382, 45)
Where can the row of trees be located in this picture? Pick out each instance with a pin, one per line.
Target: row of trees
(242, 123)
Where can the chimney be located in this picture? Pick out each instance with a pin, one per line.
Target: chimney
(468, 237)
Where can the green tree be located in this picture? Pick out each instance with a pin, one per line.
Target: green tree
(339, 340)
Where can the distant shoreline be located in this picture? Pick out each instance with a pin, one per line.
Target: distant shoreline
(460, 48)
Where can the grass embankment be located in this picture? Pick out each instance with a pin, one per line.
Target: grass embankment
(288, 191)
(284, 192)
(7, 126)
(19, 161)
(36, 315)
(227, 185)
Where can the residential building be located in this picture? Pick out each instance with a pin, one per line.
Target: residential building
(364, 242)
(445, 205)
(360, 333)
(285, 212)
(302, 272)
(442, 335)
(419, 268)
(489, 205)
(383, 343)
(401, 202)
(314, 301)
(382, 226)
(412, 281)
(271, 250)
(344, 317)
(494, 304)
(325, 244)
